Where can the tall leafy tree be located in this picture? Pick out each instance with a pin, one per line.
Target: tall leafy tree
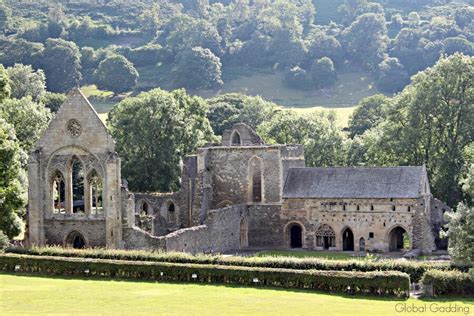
(153, 132)
(116, 73)
(25, 81)
(323, 73)
(368, 114)
(461, 233)
(431, 122)
(28, 118)
(4, 84)
(11, 181)
(61, 61)
(323, 141)
(227, 109)
(198, 68)
(365, 40)
(391, 75)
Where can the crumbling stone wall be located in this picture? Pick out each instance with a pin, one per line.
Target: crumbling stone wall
(437, 210)
(219, 233)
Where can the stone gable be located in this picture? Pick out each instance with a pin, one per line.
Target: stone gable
(76, 124)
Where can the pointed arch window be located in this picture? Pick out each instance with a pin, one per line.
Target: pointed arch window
(95, 192)
(58, 193)
(236, 139)
(77, 182)
(171, 212)
(255, 174)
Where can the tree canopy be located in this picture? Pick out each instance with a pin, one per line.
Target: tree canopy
(115, 73)
(153, 131)
(61, 61)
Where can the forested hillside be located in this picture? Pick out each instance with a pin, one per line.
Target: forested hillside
(404, 67)
(326, 53)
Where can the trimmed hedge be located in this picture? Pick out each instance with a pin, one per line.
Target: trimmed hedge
(373, 283)
(449, 282)
(413, 268)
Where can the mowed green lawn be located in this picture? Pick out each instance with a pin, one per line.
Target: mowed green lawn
(28, 295)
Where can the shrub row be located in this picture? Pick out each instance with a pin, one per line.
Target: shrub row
(448, 282)
(414, 269)
(373, 283)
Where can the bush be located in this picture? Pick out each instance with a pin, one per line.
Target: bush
(449, 282)
(375, 283)
(412, 268)
(4, 241)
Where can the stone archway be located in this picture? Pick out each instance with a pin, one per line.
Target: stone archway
(347, 240)
(362, 244)
(76, 240)
(398, 239)
(296, 236)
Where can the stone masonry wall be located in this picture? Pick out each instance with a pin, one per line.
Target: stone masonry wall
(219, 233)
(343, 213)
(93, 230)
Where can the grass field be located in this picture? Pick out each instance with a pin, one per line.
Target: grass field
(341, 98)
(26, 295)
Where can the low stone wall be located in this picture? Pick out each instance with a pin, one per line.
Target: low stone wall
(135, 238)
(219, 233)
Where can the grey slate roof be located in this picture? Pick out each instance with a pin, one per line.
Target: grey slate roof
(354, 182)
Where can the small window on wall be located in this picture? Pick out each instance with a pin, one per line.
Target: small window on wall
(344, 207)
(144, 208)
(235, 139)
(393, 208)
(371, 207)
(358, 207)
(371, 235)
(171, 213)
(409, 208)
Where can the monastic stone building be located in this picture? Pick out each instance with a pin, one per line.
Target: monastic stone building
(237, 194)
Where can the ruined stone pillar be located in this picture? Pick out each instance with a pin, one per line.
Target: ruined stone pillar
(112, 202)
(68, 191)
(87, 197)
(35, 207)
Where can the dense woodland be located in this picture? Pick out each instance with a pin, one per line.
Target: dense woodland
(419, 52)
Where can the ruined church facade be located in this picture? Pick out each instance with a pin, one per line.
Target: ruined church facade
(237, 194)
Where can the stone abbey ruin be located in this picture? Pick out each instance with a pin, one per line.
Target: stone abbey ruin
(238, 194)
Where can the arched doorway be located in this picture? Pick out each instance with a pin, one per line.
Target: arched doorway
(347, 240)
(244, 231)
(75, 240)
(362, 244)
(398, 239)
(325, 237)
(296, 236)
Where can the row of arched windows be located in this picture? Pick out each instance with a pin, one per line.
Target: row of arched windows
(171, 211)
(76, 192)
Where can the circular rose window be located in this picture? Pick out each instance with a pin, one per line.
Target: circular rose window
(74, 127)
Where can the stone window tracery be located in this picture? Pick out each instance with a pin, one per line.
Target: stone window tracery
(95, 188)
(59, 193)
(77, 182)
(325, 236)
